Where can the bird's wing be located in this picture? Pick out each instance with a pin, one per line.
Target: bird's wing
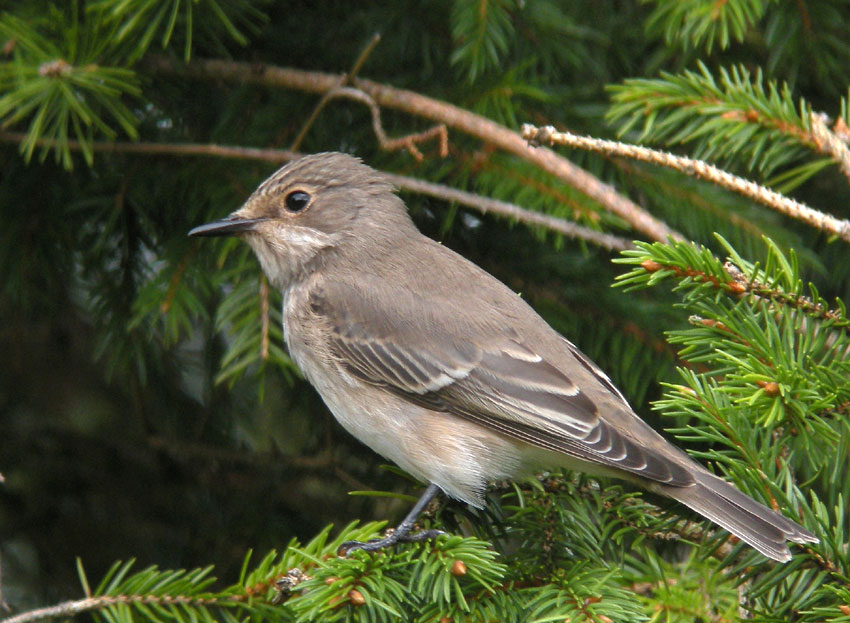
(489, 377)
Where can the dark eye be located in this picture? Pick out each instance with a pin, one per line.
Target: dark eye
(296, 201)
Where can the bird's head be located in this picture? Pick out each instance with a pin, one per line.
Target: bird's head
(319, 202)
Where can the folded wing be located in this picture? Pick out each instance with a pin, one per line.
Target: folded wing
(492, 379)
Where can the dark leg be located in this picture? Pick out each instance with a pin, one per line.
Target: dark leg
(401, 534)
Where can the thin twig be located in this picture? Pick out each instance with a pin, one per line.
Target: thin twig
(72, 608)
(442, 112)
(65, 609)
(476, 202)
(392, 144)
(166, 149)
(696, 168)
(327, 96)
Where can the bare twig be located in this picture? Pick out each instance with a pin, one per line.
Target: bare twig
(476, 202)
(166, 149)
(436, 110)
(697, 168)
(72, 608)
(65, 609)
(327, 96)
(391, 144)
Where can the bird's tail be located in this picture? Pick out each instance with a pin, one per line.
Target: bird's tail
(761, 527)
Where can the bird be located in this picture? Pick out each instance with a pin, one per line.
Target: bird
(442, 369)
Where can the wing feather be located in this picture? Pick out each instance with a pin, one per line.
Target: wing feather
(501, 384)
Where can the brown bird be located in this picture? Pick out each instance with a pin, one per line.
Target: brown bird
(439, 367)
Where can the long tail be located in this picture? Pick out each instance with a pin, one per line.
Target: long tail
(761, 527)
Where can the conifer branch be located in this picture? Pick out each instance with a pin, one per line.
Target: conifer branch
(737, 114)
(696, 168)
(503, 208)
(436, 110)
(438, 191)
(167, 149)
(739, 285)
(65, 609)
(75, 607)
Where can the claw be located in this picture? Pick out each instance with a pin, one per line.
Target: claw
(392, 539)
(401, 534)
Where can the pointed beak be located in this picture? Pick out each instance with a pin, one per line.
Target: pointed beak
(227, 227)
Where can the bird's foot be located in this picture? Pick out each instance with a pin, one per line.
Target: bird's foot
(402, 533)
(392, 538)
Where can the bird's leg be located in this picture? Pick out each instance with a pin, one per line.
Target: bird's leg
(401, 533)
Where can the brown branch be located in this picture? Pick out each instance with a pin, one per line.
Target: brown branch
(741, 284)
(392, 144)
(476, 202)
(436, 110)
(72, 608)
(166, 149)
(699, 169)
(65, 609)
(752, 224)
(327, 97)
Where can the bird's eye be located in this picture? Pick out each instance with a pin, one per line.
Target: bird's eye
(296, 201)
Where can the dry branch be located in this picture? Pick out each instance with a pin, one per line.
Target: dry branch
(438, 191)
(429, 108)
(699, 169)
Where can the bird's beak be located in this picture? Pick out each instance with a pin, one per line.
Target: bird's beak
(227, 227)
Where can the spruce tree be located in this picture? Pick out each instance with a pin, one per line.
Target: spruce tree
(150, 415)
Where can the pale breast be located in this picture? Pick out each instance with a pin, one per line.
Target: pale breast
(458, 456)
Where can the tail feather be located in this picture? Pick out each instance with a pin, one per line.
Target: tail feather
(764, 529)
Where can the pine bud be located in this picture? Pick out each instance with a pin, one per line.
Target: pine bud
(650, 266)
(458, 568)
(356, 597)
(771, 388)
